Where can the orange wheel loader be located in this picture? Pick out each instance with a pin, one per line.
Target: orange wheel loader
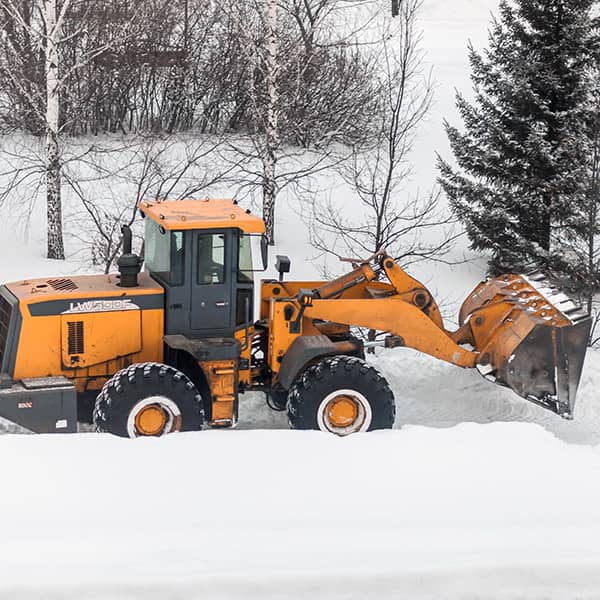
(171, 348)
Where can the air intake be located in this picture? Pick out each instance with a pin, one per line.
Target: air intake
(62, 285)
(76, 345)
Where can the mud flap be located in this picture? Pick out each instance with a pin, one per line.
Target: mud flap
(45, 405)
(546, 366)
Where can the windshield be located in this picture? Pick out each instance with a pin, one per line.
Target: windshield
(164, 253)
(245, 259)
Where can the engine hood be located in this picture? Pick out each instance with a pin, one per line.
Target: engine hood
(87, 293)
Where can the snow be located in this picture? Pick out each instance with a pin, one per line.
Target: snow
(476, 493)
(495, 511)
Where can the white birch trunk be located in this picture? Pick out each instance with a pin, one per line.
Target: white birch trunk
(272, 123)
(53, 166)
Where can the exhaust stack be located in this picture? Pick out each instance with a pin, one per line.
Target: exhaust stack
(129, 264)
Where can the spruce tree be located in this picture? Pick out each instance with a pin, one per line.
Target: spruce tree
(523, 155)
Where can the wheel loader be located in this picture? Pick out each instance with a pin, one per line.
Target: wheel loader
(172, 348)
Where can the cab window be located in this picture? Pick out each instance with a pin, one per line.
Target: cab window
(164, 253)
(245, 270)
(211, 258)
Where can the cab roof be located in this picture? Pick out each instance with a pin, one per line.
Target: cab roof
(201, 214)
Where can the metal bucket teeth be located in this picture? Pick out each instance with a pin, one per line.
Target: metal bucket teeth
(531, 337)
(536, 276)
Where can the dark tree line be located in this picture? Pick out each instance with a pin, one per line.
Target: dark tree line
(175, 65)
(274, 73)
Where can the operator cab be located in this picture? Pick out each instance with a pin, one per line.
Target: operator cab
(200, 251)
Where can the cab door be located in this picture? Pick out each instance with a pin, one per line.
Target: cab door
(211, 282)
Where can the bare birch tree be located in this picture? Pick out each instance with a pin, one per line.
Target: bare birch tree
(44, 30)
(272, 125)
(52, 39)
(308, 85)
(260, 44)
(42, 23)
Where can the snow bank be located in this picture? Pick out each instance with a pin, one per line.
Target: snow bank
(496, 511)
(430, 392)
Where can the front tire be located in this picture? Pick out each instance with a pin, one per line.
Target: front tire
(341, 395)
(148, 400)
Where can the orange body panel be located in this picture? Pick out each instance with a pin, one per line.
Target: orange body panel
(222, 377)
(88, 329)
(202, 214)
(280, 337)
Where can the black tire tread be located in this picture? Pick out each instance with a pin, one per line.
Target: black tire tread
(126, 387)
(341, 371)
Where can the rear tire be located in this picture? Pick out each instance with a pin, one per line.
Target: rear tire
(341, 395)
(148, 399)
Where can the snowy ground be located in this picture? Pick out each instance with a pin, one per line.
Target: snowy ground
(494, 511)
(476, 494)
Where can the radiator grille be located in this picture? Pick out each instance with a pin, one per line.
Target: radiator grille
(5, 313)
(76, 345)
(62, 285)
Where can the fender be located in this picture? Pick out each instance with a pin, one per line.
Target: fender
(305, 349)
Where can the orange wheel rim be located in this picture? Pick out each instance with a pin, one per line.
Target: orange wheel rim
(342, 411)
(151, 420)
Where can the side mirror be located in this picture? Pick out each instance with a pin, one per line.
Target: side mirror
(264, 251)
(282, 265)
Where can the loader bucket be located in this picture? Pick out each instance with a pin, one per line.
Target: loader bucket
(530, 337)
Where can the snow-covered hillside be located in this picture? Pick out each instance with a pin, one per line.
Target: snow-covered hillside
(475, 494)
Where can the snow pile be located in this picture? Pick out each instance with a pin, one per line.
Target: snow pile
(495, 511)
(430, 392)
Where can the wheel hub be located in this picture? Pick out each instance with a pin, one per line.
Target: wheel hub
(342, 411)
(151, 420)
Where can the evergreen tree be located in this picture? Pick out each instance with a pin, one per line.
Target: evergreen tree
(524, 154)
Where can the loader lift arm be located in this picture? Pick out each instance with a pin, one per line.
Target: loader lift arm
(397, 317)
(404, 308)
(523, 333)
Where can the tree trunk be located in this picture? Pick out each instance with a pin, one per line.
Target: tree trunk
(272, 124)
(269, 195)
(54, 201)
(53, 167)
